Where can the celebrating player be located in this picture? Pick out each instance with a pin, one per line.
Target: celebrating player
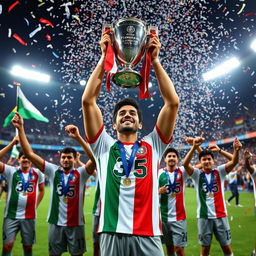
(127, 168)
(65, 216)
(211, 208)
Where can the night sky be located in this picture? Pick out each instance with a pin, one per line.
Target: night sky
(195, 35)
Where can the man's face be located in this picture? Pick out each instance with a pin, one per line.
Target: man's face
(207, 162)
(24, 162)
(67, 161)
(171, 160)
(127, 120)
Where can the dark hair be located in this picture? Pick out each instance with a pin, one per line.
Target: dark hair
(168, 150)
(68, 150)
(20, 154)
(205, 152)
(125, 102)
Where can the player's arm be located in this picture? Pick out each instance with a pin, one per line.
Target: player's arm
(186, 162)
(216, 148)
(92, 116)
(73, 132)
(77, 160)
(247, 158)
(235, 157)
(167, 116)
(6, 149)
(40, 193)
(28, 151)
(162, 190)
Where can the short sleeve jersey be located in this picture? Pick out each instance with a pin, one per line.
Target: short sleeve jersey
(62, 211)
(210, 207)
(21, 204)
(130, 209)
(172, 204)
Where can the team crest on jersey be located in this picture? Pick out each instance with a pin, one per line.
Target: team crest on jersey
(74, 178)
(142, 150)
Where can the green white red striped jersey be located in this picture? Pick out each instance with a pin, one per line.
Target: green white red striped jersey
(132, 209)
(20, 205)
(210, 207)
(172, 204)
(62, 211)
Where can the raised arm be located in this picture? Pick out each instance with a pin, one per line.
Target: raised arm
(27, 150)
(6, 149)
(92, 116)
(248, 165)
(235, 157)
(216, 148)
(73, 132)
(167, 116)
(186, 162)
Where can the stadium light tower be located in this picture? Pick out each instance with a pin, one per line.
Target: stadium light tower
(222, 69)
(253, 45)
(30, 74)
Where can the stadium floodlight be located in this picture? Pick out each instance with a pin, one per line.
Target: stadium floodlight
(30, 74)
(82, 82)
(253, 45)
(222, 69)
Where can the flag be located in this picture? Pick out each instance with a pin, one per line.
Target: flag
(15, 152)
(26, 110)
(239, 121)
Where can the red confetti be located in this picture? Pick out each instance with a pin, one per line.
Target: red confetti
(48, 37)
(13, 5)
(250, 13)
(46, 22)
(19, 39)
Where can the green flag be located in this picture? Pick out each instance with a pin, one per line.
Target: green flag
(15, 152)
(26, 110)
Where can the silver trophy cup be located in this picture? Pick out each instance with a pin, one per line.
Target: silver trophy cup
(129, 37)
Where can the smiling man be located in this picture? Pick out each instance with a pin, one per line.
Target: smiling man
(127, 167)
(25, 192)
(211, 208)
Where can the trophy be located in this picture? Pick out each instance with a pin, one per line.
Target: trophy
(129, 39)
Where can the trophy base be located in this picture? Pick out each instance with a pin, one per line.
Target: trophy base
(127, 79)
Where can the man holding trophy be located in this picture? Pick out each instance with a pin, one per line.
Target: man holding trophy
(127, 168)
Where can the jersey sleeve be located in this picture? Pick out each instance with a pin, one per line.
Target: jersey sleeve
(101, 143)
(40, 177)
(8, 172)
(84, 174)
(195, 174)
(156, 140)
(222, 171)
(162, 178)
(184, 173)
(50, 169)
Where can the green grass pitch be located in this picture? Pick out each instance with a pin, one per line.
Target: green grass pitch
(242, 223)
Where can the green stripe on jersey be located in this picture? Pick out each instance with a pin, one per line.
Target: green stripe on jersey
(164, 198)
(53, 217)
(14, 198)
(202, 197)
(112, 191)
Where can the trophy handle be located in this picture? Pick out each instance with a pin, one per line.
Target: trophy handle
(152, 30)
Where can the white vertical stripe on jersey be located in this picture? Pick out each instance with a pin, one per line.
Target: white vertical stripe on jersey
(155, 198)
(210, 200)
(126, 201)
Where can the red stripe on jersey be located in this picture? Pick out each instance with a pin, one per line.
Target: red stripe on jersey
(218, 198)
(93, 140)
(73, 200)
(142, 216)
(180, 209)
(164, 140)
(30, 211)
(159, 211)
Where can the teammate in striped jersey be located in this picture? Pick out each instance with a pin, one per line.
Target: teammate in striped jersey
(129, 219)
(171, 189)
(211, 208)
(65, 216)
(25, 192)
